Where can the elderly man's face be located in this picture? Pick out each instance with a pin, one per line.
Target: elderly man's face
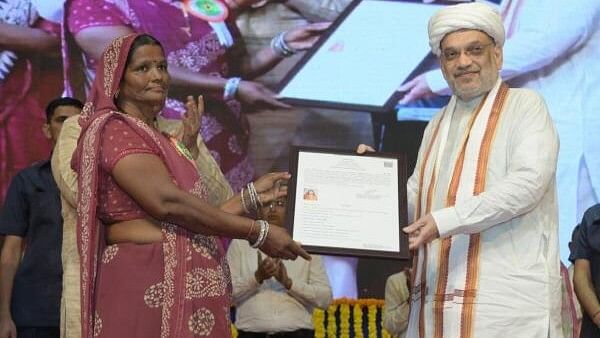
(470, 62)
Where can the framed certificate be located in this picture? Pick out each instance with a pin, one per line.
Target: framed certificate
(341, 203)
(368, 52)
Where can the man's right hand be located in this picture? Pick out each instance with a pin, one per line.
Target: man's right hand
(7, 327)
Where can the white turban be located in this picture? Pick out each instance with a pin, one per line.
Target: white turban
(473, 15)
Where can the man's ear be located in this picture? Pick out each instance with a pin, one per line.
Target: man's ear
(46, 131)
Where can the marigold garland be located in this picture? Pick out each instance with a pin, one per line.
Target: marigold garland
(234, 331)
(344, 321)
(372, 325)
(331, 324)
(330, 330)
(319, 323)
(358, 322)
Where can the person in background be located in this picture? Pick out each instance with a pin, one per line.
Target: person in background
(274, 298)
(396, 304)
(586, 277)
(30, 265)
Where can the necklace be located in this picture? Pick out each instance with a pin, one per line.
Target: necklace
(182, 149)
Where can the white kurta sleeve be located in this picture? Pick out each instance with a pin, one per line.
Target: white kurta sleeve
(532, 152)
(242, 277)
(316, 290)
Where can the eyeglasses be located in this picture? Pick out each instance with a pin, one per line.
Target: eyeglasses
(451, 54)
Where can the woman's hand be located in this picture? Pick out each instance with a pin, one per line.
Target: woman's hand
(304, 37)
(267, 189)
(279, 244)
(191, 124)
(257, 95)
(415, 89)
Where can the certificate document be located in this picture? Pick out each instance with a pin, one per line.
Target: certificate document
(349, 204)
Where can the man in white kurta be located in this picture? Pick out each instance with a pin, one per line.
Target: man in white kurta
(553, 47)
(483, 196)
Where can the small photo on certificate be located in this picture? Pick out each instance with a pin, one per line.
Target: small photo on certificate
(347, 204)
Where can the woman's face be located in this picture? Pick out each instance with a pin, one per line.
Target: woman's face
(146, 79)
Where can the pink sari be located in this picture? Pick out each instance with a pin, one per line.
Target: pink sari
(177, 288)
(191, 44)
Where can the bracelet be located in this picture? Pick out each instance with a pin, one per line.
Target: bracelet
(262, 236)
(253, 191)
(251, 228)
(264, 239)
(280, 47)
(231, 88)
(244, 205)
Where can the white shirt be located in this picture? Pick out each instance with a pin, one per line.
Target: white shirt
(270, 307)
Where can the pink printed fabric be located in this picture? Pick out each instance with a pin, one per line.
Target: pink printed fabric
(179, 287)
(22, 115)
(224, 127)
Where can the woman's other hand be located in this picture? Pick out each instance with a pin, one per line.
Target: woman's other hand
(279, 244)
(304, 37)
(257, 95)
(415, 89)
(267, 188)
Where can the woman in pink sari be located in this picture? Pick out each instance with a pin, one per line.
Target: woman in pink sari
(151, 261)
(202, 57)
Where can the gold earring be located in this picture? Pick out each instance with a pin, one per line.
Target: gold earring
(116, 96)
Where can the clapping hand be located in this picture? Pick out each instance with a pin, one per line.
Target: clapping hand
(282, 276)
(267, 268)
(191, 123)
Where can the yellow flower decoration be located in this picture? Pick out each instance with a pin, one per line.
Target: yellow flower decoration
(331, 325)
(358, 322)
(319, 323)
